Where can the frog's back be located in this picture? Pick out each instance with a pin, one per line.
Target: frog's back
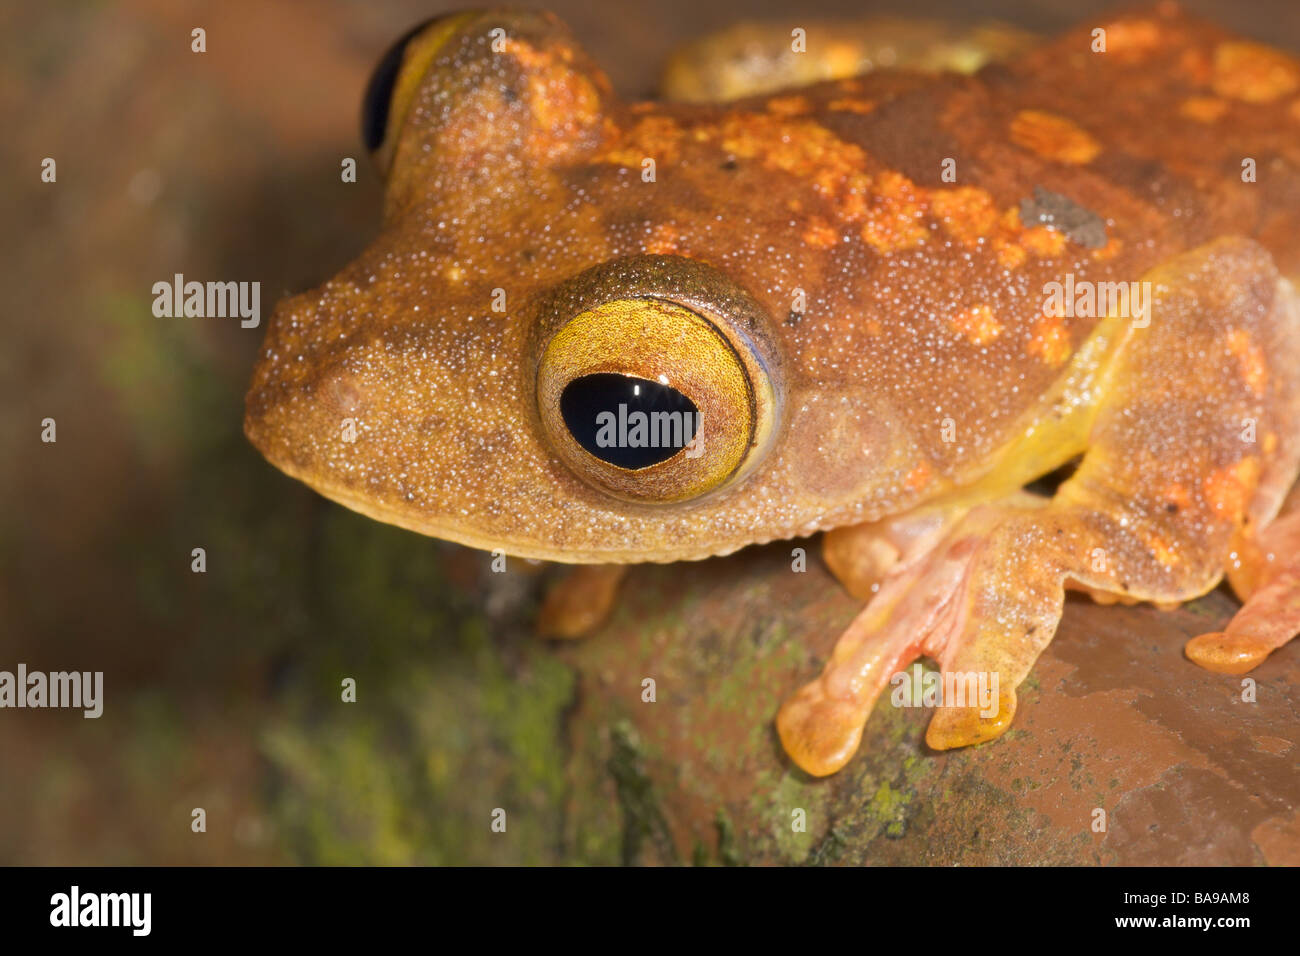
(880, 249)
(906, 228)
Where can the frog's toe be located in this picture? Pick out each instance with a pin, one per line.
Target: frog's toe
(818, 731)
(1270, 616)
(1226, 653)
(821, 725)
(580, 601)
(859, 556)
(953, 727)
(862, 555)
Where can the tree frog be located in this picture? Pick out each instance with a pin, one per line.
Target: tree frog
(878, 307)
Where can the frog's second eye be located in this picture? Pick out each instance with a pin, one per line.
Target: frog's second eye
(377, 102)
(394, 81)
(648, 400)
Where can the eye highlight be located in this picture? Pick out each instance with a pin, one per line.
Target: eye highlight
(627, 421)
(649, 400)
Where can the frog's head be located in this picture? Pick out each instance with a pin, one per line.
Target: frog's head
(515, 363)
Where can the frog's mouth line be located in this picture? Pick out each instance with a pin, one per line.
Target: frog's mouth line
(387, 514)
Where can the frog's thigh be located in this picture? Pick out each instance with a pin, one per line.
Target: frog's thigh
(580, 601)
(1151, 511)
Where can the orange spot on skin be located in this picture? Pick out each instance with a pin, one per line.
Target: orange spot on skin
(1228, 490)
(1253, 72)
(853, 197)
(820, 234)
(966, 213)
(895, 218)
(657, 137)
(894, 185)
(852, 106)
(1250, 359)
(788, 105)
(1010, 256)
(1053, 137)
(1166, 553)
(1044, 242)
(977, 324)
(1049, 340)
(1203, 109)
(805, 150)
(532, 58)
(918, 477)
(1270, 443)
(892, 213)
(565, 105)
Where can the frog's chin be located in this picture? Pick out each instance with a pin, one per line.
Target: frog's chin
(443, 530)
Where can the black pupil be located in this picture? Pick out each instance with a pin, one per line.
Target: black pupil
(627, 421)
(379, 91)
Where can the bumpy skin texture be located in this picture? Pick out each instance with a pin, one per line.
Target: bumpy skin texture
(919, 369)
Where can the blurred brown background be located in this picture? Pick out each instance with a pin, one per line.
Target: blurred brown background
(221, 689)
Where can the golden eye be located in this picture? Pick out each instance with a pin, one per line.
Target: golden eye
(650, 400)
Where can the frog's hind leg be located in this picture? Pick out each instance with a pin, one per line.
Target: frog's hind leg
(755, 57)
(1167, 484)
(1264, 562)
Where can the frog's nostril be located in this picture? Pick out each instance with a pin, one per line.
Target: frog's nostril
(626, 421)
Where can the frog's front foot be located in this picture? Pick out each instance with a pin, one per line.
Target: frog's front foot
(983, 604)
(948, 603)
